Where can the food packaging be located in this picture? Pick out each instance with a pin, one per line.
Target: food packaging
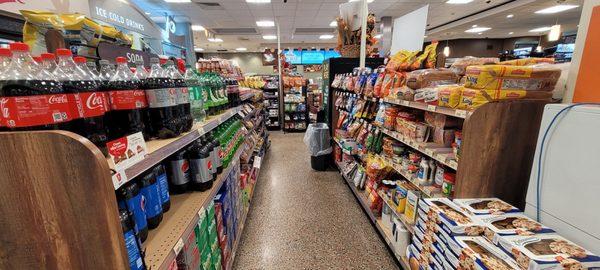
(499, 77)
(450, 217)
(448, 184)
(485, 206)
(510, 224)
(528, 61)
(460, 65)
(443, 137)
(477, 253)
(412, 200)
(438, 120)
(80, 29)
(449, 95)
(400, 235)
(37, 24)
(473, 98)
(547, 252)
(430, 78)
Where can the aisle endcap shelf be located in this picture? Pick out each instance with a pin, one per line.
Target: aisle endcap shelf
(427, 107)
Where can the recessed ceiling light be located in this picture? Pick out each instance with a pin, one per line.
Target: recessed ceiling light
(198, 49)
(197, 27)
(325, 36)
(265, 23)
(378, 36)
(474, 26)
(510, 33)
(241, 49)
(510, 16)
(147, 13)
(215, 40)
(258, 1)
(556, 9)
(269, 37)
(333, 24)
(458, 1)
(541, 29)
(178, 1)
(477, 29)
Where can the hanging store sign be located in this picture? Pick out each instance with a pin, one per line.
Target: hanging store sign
(124, 14)
(65, 6)
(111, 51)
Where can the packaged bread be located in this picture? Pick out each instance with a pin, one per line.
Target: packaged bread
(499, 77)
(528, 61)
(37, 23)
(449, 95)
(471, 99)
(420, 60)
(430, 78)
(460, 65)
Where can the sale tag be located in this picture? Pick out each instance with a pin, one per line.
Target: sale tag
(429, 152)
(405, 102)
(119, 178)
(460, 113)
(453, 164)
(431, 108)
(257, 162)
(178, 246)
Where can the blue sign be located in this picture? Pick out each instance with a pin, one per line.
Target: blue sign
(313, 57)
(293, 57)
(332, 54)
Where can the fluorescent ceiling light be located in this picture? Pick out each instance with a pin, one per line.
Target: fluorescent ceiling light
(541, 29)
(269, 37)
(333, 24)
(510, 33)
(556, 9)
(265, 23)
(479, 33)
(474, 26)
(197, 27)
(368, 1)
(198, 49)
(378, 36)
(178, 1)
(147, 13)
(477, 29)
(458, 1)
(215, 40)
(510, 16)
(258, 1)
(325, 36)
(241, 49)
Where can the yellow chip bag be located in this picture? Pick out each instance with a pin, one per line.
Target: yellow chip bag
(109, 34)
(37, 23)
(80, 29)
(124, 39)
(449, 95)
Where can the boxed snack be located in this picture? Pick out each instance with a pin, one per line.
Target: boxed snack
(485, 206)
(477, 253)
(471, 99)
(510, 224)
(528, 61)
(460, 65)
(547, 251)
(498, 77)
(450, 217)
(430, 77)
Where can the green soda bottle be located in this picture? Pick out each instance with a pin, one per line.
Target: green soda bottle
(196, 95)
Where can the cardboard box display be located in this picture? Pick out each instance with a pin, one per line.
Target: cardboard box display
(485, 206)
(450, 217)
(510, 224)
(547, 252)
(412, 200)
(478, 253)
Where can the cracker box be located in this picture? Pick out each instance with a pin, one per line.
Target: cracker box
(547, 252)
(477, 253)
(510, 224)
(485, 206)
(450, 217)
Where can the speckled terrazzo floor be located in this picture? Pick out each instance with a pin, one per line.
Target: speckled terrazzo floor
(304, 219)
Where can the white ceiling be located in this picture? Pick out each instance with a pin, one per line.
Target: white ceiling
(319, 13)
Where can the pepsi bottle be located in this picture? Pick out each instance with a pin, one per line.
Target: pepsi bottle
(163, 184)
(162, 102)
(200, 162)
(153, 204)
(131, 242)
(178, 169)
(129, 197)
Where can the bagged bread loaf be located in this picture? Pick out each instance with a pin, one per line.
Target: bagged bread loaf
(473, 98)
(430, 78)
(527, 61)
(499, 77)
(460, 65)
(449, 95)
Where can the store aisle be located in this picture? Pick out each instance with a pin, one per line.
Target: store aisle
(303, 219)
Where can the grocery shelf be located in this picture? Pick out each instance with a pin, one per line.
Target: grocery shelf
(387, 236)
(411, 178)
(181, 220)
(443, 158)
(247, 96)
(409, 225)
(432, 108)
(158, 150)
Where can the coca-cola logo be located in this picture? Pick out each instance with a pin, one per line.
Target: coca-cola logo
(94, 101)
(172, 91)
(139, 93)
(3, 107)
(56, 99)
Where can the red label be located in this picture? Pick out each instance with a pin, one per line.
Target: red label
(221, 153)
(117, 147)
(127, 99)
(88, 104)
(185, 166)
(209, 164)
(27, 111)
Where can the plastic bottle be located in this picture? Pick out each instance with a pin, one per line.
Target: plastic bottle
(196, 94)
(140, 71)
(162, 101)
(48, 61)
(127, 103)
(200, 162)
(211, 149)
(216, 144)
(131, 242)
(5, 56)
(178, 170)
(423, 172)
(153, 204)
(439, 176)
(92, 69)
(183, 109)
(106, 72)
(163, 183)
(38, 90)
(130, 198)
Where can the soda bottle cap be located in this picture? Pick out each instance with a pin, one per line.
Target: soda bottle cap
(5, 52)
(48, 56)
(163, 61)
(19, 46)
(121, 60)
(79, 59)
(37, 59)
(63, 52)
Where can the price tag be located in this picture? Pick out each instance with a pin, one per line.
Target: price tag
(119, 178)
(431, 108)
(461, 113)
(178, 246)
(257, 162)
(405, 103)
(453, 164)
(429, 152)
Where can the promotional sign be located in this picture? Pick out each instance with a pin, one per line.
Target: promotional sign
(111, 51)
(332, 54)
(409, 31)
(124, 153)
(312, 57)
(293, 57)
(64, 6)
(124, 14)
(269, 57)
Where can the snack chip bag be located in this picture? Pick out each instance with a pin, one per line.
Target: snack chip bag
(109, 34)
(449, 95)
(37, 23)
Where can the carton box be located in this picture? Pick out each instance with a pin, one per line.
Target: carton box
(510, 224)
(485, 206)
(547, 252)
(477, 253)
(450, 217)
(412, 201)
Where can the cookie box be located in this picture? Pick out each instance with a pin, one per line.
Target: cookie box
(478, 253)
(485, 206)
(547, 252)
(450, 217)
(450, 243)
(437, 253)
(451, 260)
(510, 224)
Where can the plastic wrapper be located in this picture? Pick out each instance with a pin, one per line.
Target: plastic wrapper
(370, 85)
(110, 34)
(431, 60)
(499, 77)
(402, 60)
(37, 24)
(449, 95)
(317, 139)
(405, 93)
(380, 116)
(430, 77)
(528, 61)
(387, 84)
(439, 120)
(473, 98)
(378, 84)
(81, 30)
(420, 61)
(390, 117)
(460, 65)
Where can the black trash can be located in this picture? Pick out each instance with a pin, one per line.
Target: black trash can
(320, 163)
(318, 142)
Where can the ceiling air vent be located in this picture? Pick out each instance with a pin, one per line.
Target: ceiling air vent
(209, 5)
(234, 31)
(313, 31)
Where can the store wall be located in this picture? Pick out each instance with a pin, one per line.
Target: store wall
(250, 62)
(488, 47)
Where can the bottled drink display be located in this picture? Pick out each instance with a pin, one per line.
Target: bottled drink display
(182, 110)
(162, 102)
(178, 170)
(233, 92)
(30, 101)
(163, 182)
(106, 72)
(49, 62)
(196, 94)
(200, 166)
(127, 102)
(131, 242)
(92, 69)
(130, 198)
(152, 201)
(5, 55)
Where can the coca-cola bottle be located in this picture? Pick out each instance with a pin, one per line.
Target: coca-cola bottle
(31, 101)
(162, 101)
(92, 69)
(84, 93)
(106, 72)
(49, 61)
(183, 110)
(5, 56)
(127, 103)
